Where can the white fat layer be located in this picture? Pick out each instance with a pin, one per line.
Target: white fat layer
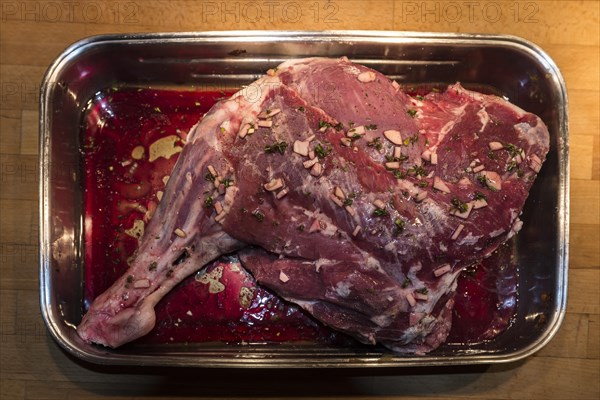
(496, 233)
(421, 329)
(469, 239)
(343, 288)
(445, 284)
(459, 111)
(531, 133)
(381, 320)
(443, 132)
(321, 262)
(484, 118)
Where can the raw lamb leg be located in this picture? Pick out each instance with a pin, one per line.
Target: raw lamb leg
(359, 203)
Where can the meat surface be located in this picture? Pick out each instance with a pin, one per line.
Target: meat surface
(343, 194)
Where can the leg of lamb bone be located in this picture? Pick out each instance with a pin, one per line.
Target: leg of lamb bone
(181, 237)
(340, 220)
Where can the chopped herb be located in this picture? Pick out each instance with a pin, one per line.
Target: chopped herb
(411, 140)
(417, 170)
(152, 266)
(479, 196)
(371, 127)
(459, 205)
(412, 113)
(484, 181)
(355, 137)
(208, 201)
(351, 124)
(402, 158)
(511, 165)
(376, 143)
(406, 283)
(301, 109)
(209, 177)
(400, 174)
(348, 201)
(422, 290)
(300, 227)
(321, 151)
(398, 226)
(243, 210)
(422, 184)
(323, 124)
(258, 215)
(492, 155)
(339, 126)
(380, 212)
(420, 98)
(520, 173)
(129, 278)
(512, 149)
(227, 182)
(278, 147)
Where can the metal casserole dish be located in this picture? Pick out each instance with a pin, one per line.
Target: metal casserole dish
(514, 67)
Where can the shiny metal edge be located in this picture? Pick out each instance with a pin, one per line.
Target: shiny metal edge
(269, 358)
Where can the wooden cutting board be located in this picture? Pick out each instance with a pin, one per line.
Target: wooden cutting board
(33, 33)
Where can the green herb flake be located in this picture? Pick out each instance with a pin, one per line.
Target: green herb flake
(278, 147)
(484, 181)
(375, 143)
(227, 182)
(459, 205)
(512, 149)
(301, 109)
(412, 113)
(321, 151)
(411, 140)
(380, 212)
(260, 217)
(400, 174)
(129, 278)
(492, 155)
(422, 290)
(209, 177)
(479, 196)
(407, 282)
(417, 170)
(152, 266)
(399, 225)
(371, 127)
(208, 201)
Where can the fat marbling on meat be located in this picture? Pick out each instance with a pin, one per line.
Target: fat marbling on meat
(343, 194)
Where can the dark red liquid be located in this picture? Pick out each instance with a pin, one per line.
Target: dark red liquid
(120, 190)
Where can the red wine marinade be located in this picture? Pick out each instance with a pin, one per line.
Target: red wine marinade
(125, 175)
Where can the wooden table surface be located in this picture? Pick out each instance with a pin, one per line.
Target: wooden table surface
(33, 33)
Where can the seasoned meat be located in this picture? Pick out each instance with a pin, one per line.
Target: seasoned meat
(344, 195)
